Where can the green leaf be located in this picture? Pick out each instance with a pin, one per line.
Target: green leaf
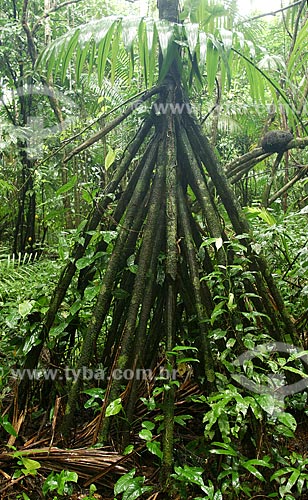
(50, 483)
(122, 483)
(165, 35)
(288, 420)
(225, 449)
(69, 49)
(181, 419)
(148, 425)
(95, 393)
(184, 348)
(110, 157)
(81, 56)
(84, 261)
(30, 341)
(68, 186)
(128, 449)
(250, 467)
(263, 214)
(29, 466)
(154, 448)
(65, 477)
(24, 308)
(103, 51)
(211, 65)
(135, 490)
(267, 402)
(7, 426)
(75, 307)
(114, 407)
(145, 434)
(292, 479)
(130, 26)
(281, 472)
(191, 475)
(192, 31)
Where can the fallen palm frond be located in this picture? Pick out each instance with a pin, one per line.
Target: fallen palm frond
(87, 463)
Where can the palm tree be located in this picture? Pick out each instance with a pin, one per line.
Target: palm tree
(168, 300)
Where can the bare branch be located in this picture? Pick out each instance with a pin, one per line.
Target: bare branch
(236, 169)
(53, 9)
(284, 189)
(111, 125)
(273, 13)
(303, 3)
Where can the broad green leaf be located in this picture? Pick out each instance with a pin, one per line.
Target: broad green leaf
(281, 472)
(24, 308)
(7, 426)
(76, 306)
(288, 420)
(292, 479)
(261, 463)
(55, 331)
(50, 483)
(295, 370)
(114, 407)
(84, 261)
(267, 402)
(154, 448)
(224, 449)
(128, 449)
(250, 467)
(182, 419)
(29, 466)
(263, 214)
(96, 392)
(148, 425)
(65, 477)
(68, 186)
(30, 341)
(109, 236)
(145, 434)
(110, 157)
(122, 483)
(208, 242)
(136, 490)
(191, 474)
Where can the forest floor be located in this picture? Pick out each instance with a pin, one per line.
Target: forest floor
(102, 466)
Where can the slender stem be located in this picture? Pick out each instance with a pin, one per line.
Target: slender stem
(150, 232)
(113, 124)
(208, 363)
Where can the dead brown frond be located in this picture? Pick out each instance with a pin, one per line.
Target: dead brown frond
(87, 463)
